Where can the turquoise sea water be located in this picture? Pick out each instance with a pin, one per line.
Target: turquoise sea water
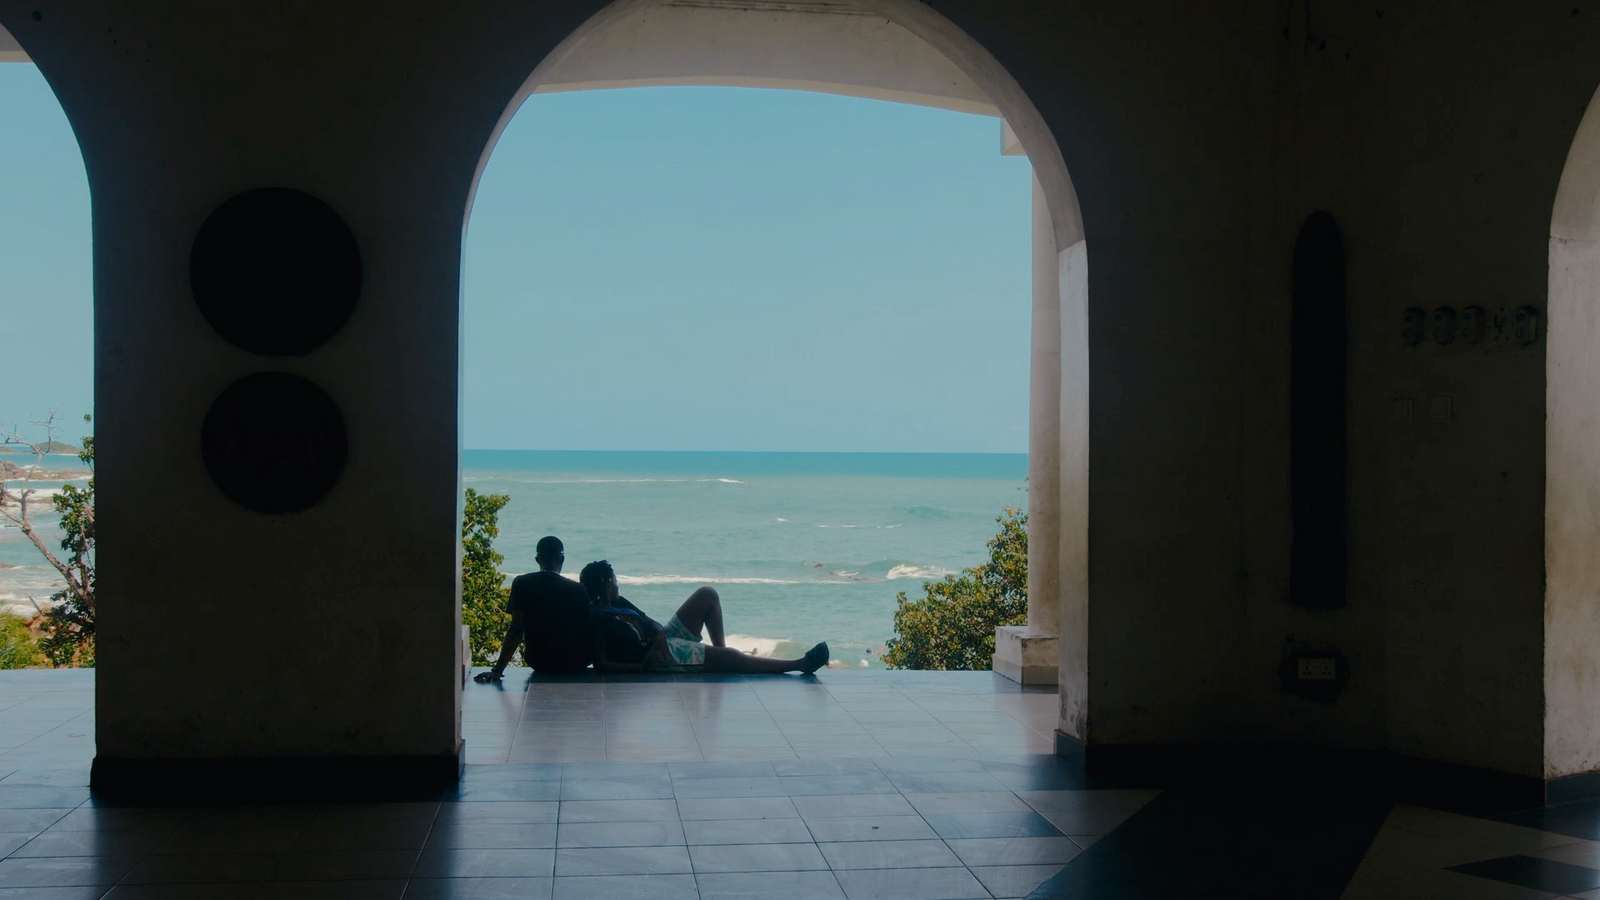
(802, 546)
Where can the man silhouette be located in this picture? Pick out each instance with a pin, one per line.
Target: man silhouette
(552, 612)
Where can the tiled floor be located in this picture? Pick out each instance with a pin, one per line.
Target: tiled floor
(849, 786)
(838, 713)
(852, 785)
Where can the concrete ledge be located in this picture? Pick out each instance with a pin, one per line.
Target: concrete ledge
(1426, 782)
(1026, 657)
(299, 779)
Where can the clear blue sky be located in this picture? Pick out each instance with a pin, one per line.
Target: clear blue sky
(660, 269)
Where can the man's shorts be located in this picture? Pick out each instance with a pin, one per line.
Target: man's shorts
(684, 650)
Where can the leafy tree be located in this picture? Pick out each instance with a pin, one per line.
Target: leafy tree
(18, 649)
(69, 623)
(952, 627)
(483, 589)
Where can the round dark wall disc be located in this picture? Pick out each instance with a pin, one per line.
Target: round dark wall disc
(275, 271)
(274, 442)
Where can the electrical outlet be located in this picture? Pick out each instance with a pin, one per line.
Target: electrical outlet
(1317, 668)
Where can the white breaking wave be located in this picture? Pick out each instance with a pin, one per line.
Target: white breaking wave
(922, 573)
(692, 579)
(757, 646)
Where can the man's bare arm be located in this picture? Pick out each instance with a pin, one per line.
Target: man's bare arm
(508, 649)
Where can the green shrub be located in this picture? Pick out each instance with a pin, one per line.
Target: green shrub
(18, 648)
(952, 627)
(483, 588)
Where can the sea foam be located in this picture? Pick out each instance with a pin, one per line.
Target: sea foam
(921, 573)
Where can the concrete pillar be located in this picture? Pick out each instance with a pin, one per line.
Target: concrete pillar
(1028, 654)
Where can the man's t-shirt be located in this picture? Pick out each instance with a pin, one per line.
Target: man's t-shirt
(555, 614)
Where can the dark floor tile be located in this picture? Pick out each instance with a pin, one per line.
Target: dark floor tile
(200, 868)
(55, 893)
(1535, 873)
(183, 891)
(491, 836)
(485, 864)
(991, 825)
(478, 889)
(788, 885)
(391, 889)
(338, 865)
(90, 818)
(397, 836)
(1580, 819)
(626, 887)
(200, 838)
(90, 843)
(63, 871)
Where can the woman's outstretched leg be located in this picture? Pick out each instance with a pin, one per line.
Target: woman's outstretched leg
(704, 607)
(723, 659)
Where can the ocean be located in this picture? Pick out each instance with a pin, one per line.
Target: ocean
(802, 546)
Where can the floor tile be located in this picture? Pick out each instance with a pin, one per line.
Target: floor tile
(1018, 851)
(618, 811)
(484, 864)
(1013, 881)
(200, 838)
(710, 788)
(747, 831)
(199, 868)
(1535, 873)
(331, 890)
(888, 854)
(992, 825)
(1499, 835)
(787, 885)
(840, 766)
(336, 865)
(35, 820)
(871, 828)
(90, 843)
(501, 813)
(1089, 812)
(622, 861)
(849, 807)
(389, 836)
(30, 796)
(965, 803)
(491, 836)
(619, 834)
(55, 893)
(63, 871)
(738, 808)
(509, 790)
(911, 884)
(756, 858)
(479, 889)
(183, 891)
(643, 787)
(943, 782)
(821, 785)
(694, 770)
(627, 887)
(89, 818)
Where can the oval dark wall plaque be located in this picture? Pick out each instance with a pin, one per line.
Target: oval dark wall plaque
(274, 442)
(275, 271)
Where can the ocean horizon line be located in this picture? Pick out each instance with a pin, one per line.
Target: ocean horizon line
(739, 465)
